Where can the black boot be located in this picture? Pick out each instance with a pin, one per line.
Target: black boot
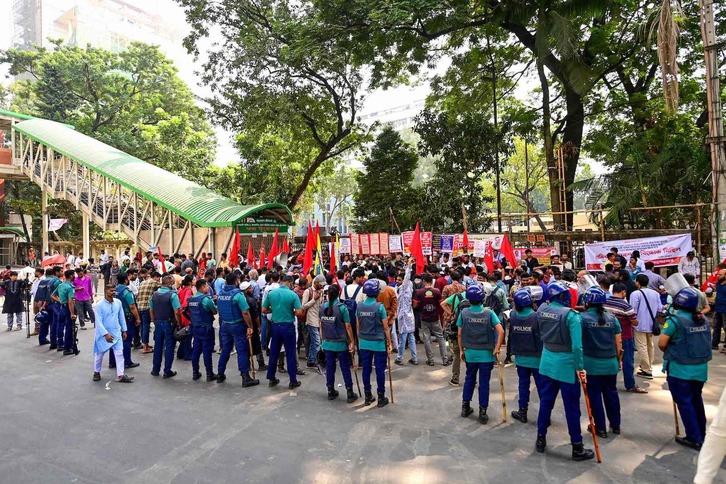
(369, 399)
(261, 363)
(196, 376)
(483, 418)
(221, 377)
(466, 409)
(352, 396)
(247, 380)
(332, 393)
(211, 377)
(520, 415)
(382, 400)
(579, 452)
(541, 443)
(600, 433)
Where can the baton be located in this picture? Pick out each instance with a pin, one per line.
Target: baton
(352, 365)
(390, 376)
(592, 421)
(675, 418)
(252, 362)
(501, 384)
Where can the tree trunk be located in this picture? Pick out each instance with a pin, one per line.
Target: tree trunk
(549, 148)
(572, 139)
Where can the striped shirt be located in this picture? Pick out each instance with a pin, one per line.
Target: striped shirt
(146, 289)
(621, 309)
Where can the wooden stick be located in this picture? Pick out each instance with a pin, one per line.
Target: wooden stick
(592, 421)
(390, 376)
(352, 367)
(252, 363)
(675, 419)
(501, 384)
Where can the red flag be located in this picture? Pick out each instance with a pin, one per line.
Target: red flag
(465, 242)
(285, 246)
(251, 256)
(162, 264)
(309, 242)
(333, 263)
(262, 254)
(273, 252)
(489, 257)
(234, 251)
(317, 230)
(417, 250)
(508, 252)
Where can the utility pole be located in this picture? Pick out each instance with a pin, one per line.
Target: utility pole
(716, 138)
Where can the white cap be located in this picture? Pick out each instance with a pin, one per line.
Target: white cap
(244, 286)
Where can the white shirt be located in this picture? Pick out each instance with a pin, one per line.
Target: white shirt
(134, 286)
(350, 290)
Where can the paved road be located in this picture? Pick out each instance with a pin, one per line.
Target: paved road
(59, 426)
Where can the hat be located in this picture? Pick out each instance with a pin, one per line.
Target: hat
(320, 279)
(244, 285)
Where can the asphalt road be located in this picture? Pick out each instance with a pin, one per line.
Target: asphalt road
(59, 426)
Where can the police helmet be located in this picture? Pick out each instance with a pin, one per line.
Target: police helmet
(321, 358)
(523, 298)
(558, 291)
(686, 298)
(595, 295)
(371, 288)
(42, 317)
(475, 294)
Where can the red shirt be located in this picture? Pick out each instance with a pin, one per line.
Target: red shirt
(441, 283)
(428, 299)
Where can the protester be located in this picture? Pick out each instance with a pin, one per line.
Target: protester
(713, 450)
(133, 320)
(618, 306)
(406, 320)
(84, 298)
(690, 264)
(311, 301)
(645, 302)
(110, 334)
(428, 299)
(719, 317)
(387, 296)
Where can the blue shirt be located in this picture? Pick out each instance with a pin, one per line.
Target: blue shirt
(720, 298)
(110, 319)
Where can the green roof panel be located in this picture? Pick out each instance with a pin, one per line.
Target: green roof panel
(185, 198)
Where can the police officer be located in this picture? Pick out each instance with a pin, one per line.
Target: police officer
(66, 309)
(526, 346)
(165, 312)
(686, 344)
(56, 329)
(338, 342)
(480, 337)
(374, 339)
(561, 331)
(233, 312)
(45, 303)
(201, 312)
(282, 305)
(248, 289)
(603, 348)
(133, 320)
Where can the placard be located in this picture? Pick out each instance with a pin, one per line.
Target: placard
(384, 241)
(447, 244)
(375, 244)
(354, 244)
(407, 238)
(344, 245)
(365, 244)
(426, 242)
(395, 244)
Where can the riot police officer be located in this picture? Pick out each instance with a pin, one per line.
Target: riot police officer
(603, 348)
(233, 312)
(201, 312)
(338, 342)
(480, 337)
(686, 343)
(526, 346)
(561, 331)
(375, 341)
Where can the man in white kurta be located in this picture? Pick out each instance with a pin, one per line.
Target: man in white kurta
(110, 334)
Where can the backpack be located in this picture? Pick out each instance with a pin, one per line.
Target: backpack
(350, 302)
(42, 292)
(493, 302)
(463, 303)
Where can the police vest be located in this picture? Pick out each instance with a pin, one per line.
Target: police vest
(163, 310)
(598, 340)
(199, 315)
(476, 330)
(694, 343)
(120, 293)
(333, 325)
(43, 291)
(524, 335)
(371, 324)
(553, 328)
(229, 311)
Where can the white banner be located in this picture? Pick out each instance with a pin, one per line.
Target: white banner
(344, 245)
(395, 244)
(480, 247)
(56, 223)
(661, 251)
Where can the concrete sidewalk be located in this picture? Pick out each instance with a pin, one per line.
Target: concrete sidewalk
(59, 426)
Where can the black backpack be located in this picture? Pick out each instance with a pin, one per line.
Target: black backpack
(493, 302)
(350, 302)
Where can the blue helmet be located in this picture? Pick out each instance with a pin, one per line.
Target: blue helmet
(558, 291)
(42, 317)
(523, 298)
(686, 298)
(595, 295)
(475, 294)
(371, 288)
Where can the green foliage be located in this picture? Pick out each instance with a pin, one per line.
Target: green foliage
(386, 186)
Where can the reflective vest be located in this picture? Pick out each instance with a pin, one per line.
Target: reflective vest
(552, 322)
(524, 335)
(200, 316)
(163, 310)
(694, 343)
(333, 325)
(371, 324)
(476, 330)
(229, 311)
(598, 340)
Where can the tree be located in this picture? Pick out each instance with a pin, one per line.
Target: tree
(465, 147)
(334, 194)
(278, 76)
(385, 186)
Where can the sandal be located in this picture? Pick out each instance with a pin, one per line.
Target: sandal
(147, 351)
(636, 390)
(125, 379)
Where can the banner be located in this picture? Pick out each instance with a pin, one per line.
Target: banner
(354, 244)
(395, 244)
(375, 244)
(384, 243)
(447, 244)
(427, 242)
(542, 254)
(344, 245)
(56, 223)
(436, 244)
(407, 237)
(661, 251)
(365, 244)
(480, 247)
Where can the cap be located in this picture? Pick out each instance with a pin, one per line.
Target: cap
(320, 279)
(244, 286)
